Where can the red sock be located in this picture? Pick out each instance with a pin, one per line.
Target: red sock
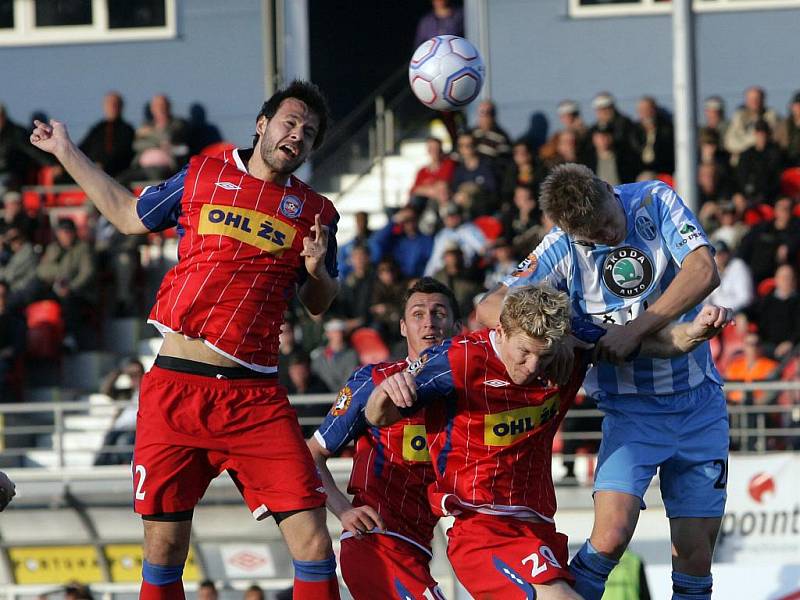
(327, 589)
(171, 591)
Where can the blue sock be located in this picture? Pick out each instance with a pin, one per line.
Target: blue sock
(315, 570)
(689, 587)
(591, 569)
(161, 575)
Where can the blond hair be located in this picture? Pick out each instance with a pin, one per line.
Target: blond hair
(539, 311)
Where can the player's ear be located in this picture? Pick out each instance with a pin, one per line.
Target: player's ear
(403, 330)
(261, 125)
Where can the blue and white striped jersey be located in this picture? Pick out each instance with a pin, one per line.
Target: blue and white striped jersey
(613, 284)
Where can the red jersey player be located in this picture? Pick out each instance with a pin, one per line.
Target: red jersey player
(251, 234)
(491, 419)
(391, 467)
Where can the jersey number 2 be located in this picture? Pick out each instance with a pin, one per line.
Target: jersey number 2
(537, 568)
(142, 473)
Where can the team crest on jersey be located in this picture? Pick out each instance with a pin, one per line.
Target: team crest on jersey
(527, 266)
(415, 366)
(646, 228)
(627, 272)
(343, 401)
(291, 206)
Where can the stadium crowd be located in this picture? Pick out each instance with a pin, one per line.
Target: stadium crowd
(471, 216)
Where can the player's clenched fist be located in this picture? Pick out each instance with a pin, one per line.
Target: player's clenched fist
(52, 138)
(709, 322)
(361, 519)
(401, 389)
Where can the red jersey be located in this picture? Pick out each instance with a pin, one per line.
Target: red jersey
(391, 466)
(238, 257)
(490, 439)
(428, 176)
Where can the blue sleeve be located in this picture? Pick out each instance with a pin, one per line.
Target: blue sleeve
(159, 206)
(680, 229)
(380, 242)
(433, 375)
(586, 331)
(549, 262)
(346, 420)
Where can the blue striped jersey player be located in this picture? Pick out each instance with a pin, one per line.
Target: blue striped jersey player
(632, 258)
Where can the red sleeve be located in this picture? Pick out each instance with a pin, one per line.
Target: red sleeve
(447, 170)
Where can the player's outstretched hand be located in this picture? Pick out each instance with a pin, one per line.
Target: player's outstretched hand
(401, 389)
(315, 248)
(361, 519)
(52, 138)
(7, 490)
(710, 321)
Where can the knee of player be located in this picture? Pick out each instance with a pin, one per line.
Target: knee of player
(166, 543)
(317, 546)
(611, 539)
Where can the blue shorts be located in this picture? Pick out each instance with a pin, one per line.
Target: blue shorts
(684, 436)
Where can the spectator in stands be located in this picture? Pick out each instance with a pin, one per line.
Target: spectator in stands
(109, 142)
(428, 184)
(741, 133)
(524, 170)
(569, 114)
(563, 147)
(466, 235)
(121, 383)
(207, 591)
(491, 140)
(779, 314)
(712, 153)
(503, 261)
(302, 380)
(287, 346)
(759, 168)
(714, 114)
(118, 259)
(333, 362)
(655, 137)
(67, 273)
(788, 133)
(736, 283)
(254, 592)
(402, 240)
(709, 184)
(622, 129)
(387, 296)
(519, 219)
(772, 243)
(476, 169)
(443, 19)
(363, 232)
(77, 591)
(14, 216)
(12, 340)
(201, 133)
(613, 162)
(728, 228)
(20, 270)
(161, 144)
(17, 156)
(355, 296)
(456, 276)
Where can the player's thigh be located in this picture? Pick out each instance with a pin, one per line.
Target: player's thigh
(505, 558)
(557, 590)
(694, 480)
(377, 566)
(271, 464)
(306, 534)
(693, 541)
(633, 445)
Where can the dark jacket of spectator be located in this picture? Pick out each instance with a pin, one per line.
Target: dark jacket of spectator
(110, 144)
(759, 172)
(655, 143)
(760, 246)
(442, 20)
(779, 319)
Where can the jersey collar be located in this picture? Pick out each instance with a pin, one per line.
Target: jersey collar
(240, 164)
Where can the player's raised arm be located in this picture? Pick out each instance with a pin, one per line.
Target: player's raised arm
(319, 253)
(114, 201)
(488, 310)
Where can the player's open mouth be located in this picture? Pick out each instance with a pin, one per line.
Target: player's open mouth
(292, 151)
(430, 338)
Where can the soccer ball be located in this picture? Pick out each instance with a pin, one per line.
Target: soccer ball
(446, 72)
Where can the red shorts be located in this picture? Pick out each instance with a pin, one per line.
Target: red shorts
(191, 428)
(377, 566)
(501, 557)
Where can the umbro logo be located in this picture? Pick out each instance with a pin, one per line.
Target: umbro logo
(496, 383)
(227, 185)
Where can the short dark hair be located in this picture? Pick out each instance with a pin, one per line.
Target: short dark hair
(571, 195)
(310, 95)
(429, 285)
(207, 583)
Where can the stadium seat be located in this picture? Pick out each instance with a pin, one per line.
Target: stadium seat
(765, 287)
(790, 182)
(31, 202)
(45, 329)
(491, 227)
(369, 346)
(666, 178)
(217, 148)
(74, 197)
